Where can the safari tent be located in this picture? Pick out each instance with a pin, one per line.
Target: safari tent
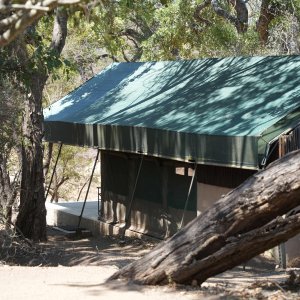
(176, 135)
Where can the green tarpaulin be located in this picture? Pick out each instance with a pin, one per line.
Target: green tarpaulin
(212, 111)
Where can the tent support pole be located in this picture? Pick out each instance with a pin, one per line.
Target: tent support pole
(54, 169)
(133, 193)
(188, 195)
(88, 189)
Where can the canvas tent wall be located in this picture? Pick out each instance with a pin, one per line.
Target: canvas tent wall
(161, 200)
(213, 113)
(152, 199)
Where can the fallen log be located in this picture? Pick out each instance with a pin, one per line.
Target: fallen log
(244, 223)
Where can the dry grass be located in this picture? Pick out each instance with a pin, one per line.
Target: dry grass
(14, 249)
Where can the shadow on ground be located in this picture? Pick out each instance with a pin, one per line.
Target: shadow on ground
(62, 250)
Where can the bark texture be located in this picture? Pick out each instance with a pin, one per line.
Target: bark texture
(268, 12)
(31, 219)
(242, 224)
(8, 190)
(239, 20)
(48, 157)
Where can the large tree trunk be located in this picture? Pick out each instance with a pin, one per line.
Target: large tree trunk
(242, 224)
(31, 219)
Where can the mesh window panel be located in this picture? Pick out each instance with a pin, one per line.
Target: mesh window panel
(149, 182)
(117, 174)
(178, 187)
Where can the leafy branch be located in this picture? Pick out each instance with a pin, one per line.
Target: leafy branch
(16, 16)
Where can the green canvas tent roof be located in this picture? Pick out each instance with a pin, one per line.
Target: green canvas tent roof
(212, 111)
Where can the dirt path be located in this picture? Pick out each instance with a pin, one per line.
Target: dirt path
(65, 268)
(73, 283)
(89, 282)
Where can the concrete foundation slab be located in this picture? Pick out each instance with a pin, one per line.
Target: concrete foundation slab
(67, 214)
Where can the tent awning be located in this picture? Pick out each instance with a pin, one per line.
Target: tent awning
(212, 111)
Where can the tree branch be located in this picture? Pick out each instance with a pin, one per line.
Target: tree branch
(240, 21)
(60, 30)
(223, 13)
(27, 6)
(242, 14)
(23, 15)
(18, 26)
(10, 20)
(132, 33)
(198, 10)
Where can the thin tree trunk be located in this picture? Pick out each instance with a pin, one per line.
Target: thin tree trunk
(57, 185)
(268, 12)
(241, 15)
(8, 190)
(14, 189)
(48, 159)
(241, 225)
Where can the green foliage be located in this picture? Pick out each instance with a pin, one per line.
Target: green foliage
(70, 162)
(173, 33)
(44, 58)
(164, 30)
(179, 35)
(60, 84)
(113, 21)
(10, 115)
(81, 59)
(31, 54)
(82, 48)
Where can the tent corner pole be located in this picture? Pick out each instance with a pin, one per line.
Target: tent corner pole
(88, 189)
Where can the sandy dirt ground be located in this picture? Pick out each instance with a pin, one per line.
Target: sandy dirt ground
(68, 268)
(81, 282)
(89, 282)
